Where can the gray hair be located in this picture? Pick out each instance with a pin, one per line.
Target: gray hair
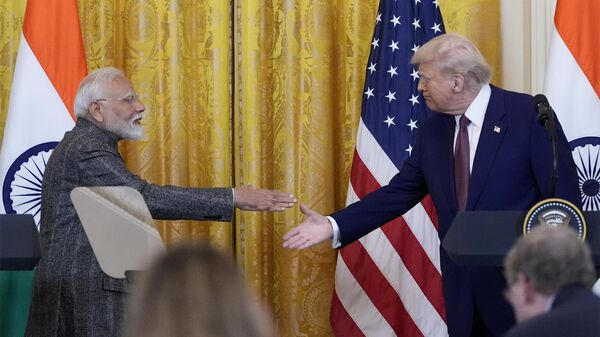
(454, 54)
(92, 88)
(550, 258)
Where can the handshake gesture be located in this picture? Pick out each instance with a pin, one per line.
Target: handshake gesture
(313, 230)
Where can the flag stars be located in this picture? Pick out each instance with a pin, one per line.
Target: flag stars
(375, 43)
(392, 71)
(391, 96)
(378, 19)
(435, 2)
(389, 121)
(394, 46)
(436, 28)
(409, 149)
(414, 100)
(415, 48)
(416, 23)
(395, 20)
(412, 124)
(414, 74)
(372, 67)
(369, 92)
(417, 1)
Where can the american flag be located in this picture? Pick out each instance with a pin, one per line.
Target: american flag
(389, 282)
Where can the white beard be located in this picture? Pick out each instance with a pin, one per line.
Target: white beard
(125, 130)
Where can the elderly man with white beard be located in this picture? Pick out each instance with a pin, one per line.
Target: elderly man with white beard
(71, 295)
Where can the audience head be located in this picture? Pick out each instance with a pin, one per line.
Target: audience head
(195, 291)
(543, 262)
(106, 98)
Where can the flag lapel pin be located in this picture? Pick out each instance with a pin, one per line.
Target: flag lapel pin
(497, 129)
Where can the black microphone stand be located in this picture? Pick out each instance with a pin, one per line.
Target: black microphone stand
(546, 118)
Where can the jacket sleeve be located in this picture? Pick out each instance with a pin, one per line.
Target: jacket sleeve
(105, 167)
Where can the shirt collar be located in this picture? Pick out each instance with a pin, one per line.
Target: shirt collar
(476, 111)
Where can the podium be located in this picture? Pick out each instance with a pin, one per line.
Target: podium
(120, 229)
(482, 238)
(19, 242)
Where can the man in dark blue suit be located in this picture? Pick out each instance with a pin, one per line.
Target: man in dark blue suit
(500, 158)
(550, 273)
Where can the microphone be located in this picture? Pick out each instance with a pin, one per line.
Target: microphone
(545, 117)
(545, 112)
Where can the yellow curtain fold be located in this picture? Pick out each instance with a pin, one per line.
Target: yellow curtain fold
(11, 26)
(248, 92)
(299, 77)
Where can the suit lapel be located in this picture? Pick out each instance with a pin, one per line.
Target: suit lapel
(492, 133)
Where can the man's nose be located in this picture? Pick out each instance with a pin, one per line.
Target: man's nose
(139, 106)
(420, 86)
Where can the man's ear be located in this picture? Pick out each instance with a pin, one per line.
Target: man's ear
(458, 83)
(96, 112)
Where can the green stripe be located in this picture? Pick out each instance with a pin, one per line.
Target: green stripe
(15, 295)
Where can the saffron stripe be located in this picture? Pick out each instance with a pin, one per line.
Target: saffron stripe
(57, 44)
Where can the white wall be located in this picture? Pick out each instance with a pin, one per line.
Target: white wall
(526, 26)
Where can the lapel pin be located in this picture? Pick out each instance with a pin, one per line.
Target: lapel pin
(497, 129)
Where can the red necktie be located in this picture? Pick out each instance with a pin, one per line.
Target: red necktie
(461, 163)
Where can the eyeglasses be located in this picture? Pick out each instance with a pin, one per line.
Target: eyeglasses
(130, 99)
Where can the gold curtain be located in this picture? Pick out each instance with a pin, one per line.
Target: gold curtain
(11, 26)
(300, 68)
(248, 92)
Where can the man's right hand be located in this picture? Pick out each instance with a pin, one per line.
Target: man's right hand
(313, 230)
(248, 198)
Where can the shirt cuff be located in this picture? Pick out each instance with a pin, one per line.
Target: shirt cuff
(336, 241)
(233, 199)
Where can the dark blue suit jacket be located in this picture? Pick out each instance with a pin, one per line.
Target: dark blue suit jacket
(575, 312)
(511, 171)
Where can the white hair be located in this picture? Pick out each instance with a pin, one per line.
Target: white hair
(92, 88)
(454, 54)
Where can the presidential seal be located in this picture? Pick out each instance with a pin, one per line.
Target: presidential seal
(555, 212)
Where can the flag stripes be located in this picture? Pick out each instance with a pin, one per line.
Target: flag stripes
(58, 47)
(347, 326)
(358, 306)
(389, 282)
(368, 272)
(580, 35)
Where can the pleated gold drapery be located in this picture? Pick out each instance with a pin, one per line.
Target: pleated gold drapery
(248, 92)
(300, 69)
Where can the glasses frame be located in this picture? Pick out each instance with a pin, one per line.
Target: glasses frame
(129, 99)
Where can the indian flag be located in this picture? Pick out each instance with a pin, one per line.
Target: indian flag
(50, 64)
(572, 86)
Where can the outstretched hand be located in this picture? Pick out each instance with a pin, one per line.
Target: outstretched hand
(248, 198)
(313, 230)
